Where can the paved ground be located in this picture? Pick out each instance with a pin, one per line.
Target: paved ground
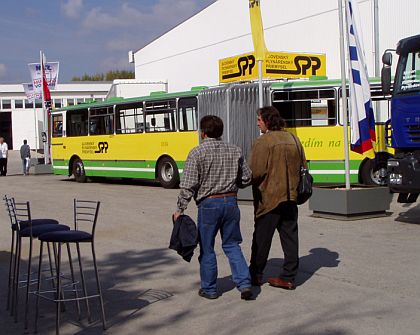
(359, 277)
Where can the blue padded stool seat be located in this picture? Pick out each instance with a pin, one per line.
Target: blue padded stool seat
(36, 222)
(42, 229)
(66, 236)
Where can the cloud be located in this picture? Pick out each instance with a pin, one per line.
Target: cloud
(2, 70)
(72, 8)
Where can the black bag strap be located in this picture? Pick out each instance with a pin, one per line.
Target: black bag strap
(297, 146)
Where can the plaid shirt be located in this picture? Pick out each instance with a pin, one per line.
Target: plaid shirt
(213, 167)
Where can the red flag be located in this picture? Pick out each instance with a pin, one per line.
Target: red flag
(47, 94)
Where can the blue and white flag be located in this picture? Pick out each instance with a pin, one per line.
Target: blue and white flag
(361, 112)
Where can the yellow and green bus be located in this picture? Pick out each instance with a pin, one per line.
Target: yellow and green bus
(150, 137)
(145, 138)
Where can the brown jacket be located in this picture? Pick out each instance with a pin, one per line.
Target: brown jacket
(275, 163)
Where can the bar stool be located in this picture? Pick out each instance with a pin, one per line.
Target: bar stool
(84, 212)
(14, 245)
(26, 229)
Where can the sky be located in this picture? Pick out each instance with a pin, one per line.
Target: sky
(85, 36)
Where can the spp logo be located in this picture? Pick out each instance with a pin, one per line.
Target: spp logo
(47, 67)
(245, 64)
(303, 65)
(102, 147)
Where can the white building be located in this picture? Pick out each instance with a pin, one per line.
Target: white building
(21, 120)
(188, 55)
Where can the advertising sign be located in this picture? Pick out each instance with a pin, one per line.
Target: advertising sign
(275, 66)
(30, 93)
(51, 74)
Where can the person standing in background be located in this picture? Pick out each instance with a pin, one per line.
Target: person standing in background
(25, 155)
(3, 156)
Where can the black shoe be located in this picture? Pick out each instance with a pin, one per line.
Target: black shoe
(203, 294)
(246, 293)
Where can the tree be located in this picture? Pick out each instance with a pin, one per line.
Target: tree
(109, 76)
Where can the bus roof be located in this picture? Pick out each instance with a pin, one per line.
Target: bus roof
(153, 96)
(315, 83)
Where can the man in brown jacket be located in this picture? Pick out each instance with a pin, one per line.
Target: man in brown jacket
(275, 164)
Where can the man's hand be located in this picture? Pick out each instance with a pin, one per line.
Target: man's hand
(176, 215)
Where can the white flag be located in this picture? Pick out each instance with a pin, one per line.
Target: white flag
(51, 74)
(30, 93)
(362, 119)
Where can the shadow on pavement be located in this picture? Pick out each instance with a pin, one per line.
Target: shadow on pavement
(308, 265)
(412, 215)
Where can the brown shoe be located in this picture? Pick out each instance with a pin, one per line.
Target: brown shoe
(282, 283)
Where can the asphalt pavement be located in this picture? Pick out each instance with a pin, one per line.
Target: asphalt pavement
(356, 277)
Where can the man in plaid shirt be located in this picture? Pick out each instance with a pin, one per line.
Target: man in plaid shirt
(212, 175)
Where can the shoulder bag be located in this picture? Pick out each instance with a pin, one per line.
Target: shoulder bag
(304, 189)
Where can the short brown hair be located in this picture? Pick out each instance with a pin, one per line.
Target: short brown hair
(271, 117)
(212, 126)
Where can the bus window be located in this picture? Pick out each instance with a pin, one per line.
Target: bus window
(160, 116)
(187, 114)
(130, 119)
(307, 107)
(101, 121)
(57, 125)
(77, 122)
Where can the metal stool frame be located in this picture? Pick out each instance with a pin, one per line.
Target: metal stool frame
(84, 211)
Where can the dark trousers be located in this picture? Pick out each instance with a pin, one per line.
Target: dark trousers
(3, 166)
(284, 219)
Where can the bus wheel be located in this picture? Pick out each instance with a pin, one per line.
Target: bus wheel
(374, 172)
(79, 171)
(168, 174)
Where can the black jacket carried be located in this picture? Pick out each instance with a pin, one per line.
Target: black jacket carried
(184, 238)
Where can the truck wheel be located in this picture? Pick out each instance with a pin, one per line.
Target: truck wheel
(374, 172)
(79, 171)
(167, 173)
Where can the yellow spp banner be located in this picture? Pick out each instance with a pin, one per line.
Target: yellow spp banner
(257, 29)
(276, 65)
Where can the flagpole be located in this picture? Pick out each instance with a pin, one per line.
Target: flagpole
(260, 85)
(344, 96)
(44, 113)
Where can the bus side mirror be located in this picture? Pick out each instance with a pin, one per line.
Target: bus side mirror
(387, 58)
(386, 72)
(386, 79)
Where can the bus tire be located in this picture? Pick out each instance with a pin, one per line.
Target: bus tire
(373, 172)
(79, 171)
(167, 173)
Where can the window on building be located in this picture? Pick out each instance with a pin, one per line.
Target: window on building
(28, 104)
(18, 103)
(38, 103)
(130, 118)
(58, 103)
(187, 114)
(70, 102)
(57, 125)
(6, 104)
(307, 107)
(160, 116)
(80, 101)
(77, 122)
(101, 121)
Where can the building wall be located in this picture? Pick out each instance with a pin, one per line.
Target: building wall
(188, 55)
(28, 122)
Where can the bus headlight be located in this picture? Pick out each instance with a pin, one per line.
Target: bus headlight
(395, 178)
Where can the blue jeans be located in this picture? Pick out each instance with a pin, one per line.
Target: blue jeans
(222, 214)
